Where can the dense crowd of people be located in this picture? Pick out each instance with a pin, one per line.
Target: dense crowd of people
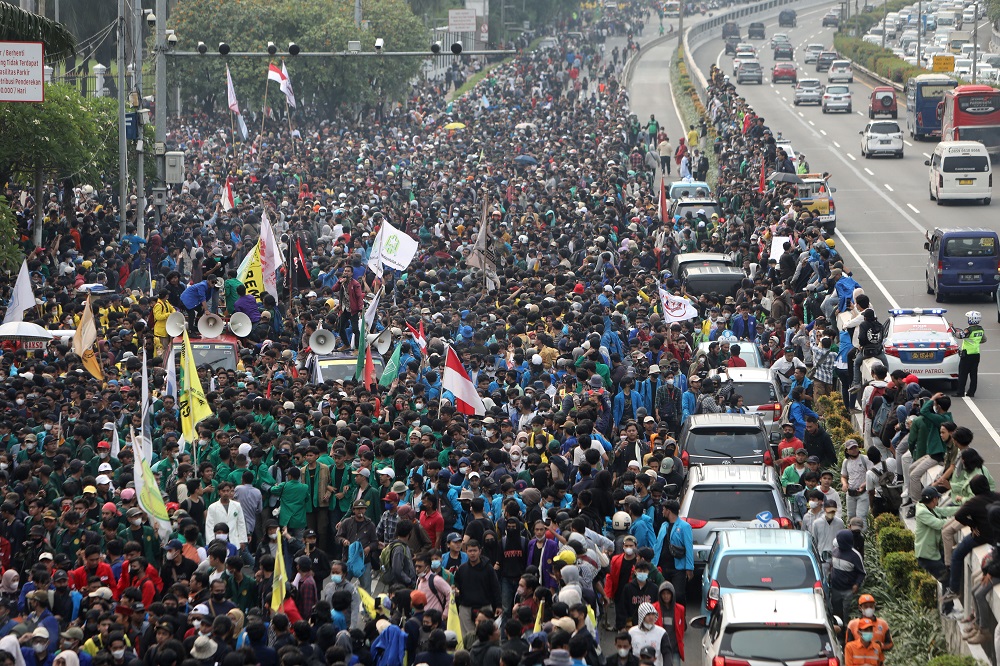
(543, 524)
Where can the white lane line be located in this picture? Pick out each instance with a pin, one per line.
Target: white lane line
(853, 159)
(812, 123)
(784, 99)
(889, 187)
(914, 209)
(801, 115)
(836, 144)
(823, 132)
(926, 155)
(860, 114)
(861, 263)
(869, 171)
(907, 143)
(982, 419)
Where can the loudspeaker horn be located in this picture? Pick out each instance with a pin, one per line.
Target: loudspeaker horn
(383, 341)
(211, 325)
(322, 341)
(240, 324)
(176, 324)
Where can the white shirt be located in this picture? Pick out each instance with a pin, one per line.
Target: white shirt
(873, 474)
(231, 516)
(642, 638)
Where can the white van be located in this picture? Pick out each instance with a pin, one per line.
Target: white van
(960, 171)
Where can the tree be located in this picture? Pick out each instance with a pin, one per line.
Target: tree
(316, 25)
(17, 24)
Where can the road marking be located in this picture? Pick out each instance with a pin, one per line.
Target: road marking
(860, 114)
(889, 187)
(926, 155)
(812, 123)
(982, 419)
(784, 99)
(836, 144)
(869, 171)
(907, 143)
(823, 132)
(841, 239)
(853, 159)
(913, 208)
(800, 115)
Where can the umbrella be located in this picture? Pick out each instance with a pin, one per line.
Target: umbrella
(522, 126)
(23, 330)
(525, 160)
(782, 177)
(454, 126)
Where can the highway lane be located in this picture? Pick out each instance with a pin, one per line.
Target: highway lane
(883, 210)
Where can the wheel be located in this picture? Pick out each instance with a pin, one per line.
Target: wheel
(930, 193)
(930, 290)
(900, 155)
(871, 115)
(824, 109)
(850, 109)
(895, 115)
(939, 297)
(986, 201)
(795, 102)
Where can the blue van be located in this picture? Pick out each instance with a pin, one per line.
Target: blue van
(760, 559)
(961, 261)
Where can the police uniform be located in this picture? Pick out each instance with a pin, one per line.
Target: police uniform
(968, 362)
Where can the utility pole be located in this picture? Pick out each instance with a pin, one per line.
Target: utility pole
(357, 14)
(122, 145)
(885, 14)
(975, 42)
(920, 30)
(160, 119)
(140, 175)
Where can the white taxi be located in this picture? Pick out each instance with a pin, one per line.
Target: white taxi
(882, 137)
(920, 342)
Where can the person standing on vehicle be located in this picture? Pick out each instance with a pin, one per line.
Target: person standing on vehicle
(968, 362)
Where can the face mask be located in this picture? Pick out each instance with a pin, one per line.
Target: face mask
(814, 504)
(67, 645)
(630, 550)
(868, 612)
(41, 648)
(463, 470)
(137, 522)
(273, 536)
(628, 488)
(118, 654)
(204, 442)
(4, 466)
(788, 435)
(337, 578)
(513, 458)
(622, 652)
(20, 401)
(104, 454)
(419, 405)
(506, 445)
(830, 515)
(647, 626)
(196, 624)
(48, 426)
(642, 577)
(435, 564)
(222, 536)
(866, 636)
(219, 596)
(548, 505)
(281, 428)
(670, 382)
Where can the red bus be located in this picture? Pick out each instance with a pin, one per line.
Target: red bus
(972, 113)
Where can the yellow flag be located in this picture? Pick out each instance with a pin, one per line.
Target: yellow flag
(454, 623)
(538, 616)
(367, 602)
(279, 581)
(194, 406)
(84, 339)
(251, 273)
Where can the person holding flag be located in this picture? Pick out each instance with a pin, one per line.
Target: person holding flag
(352, 302)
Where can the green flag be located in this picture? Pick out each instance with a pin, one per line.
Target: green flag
(391, 369)
(359, 370)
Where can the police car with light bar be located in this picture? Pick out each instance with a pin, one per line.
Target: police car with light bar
(921, 342)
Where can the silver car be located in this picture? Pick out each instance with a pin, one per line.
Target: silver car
(761, 393)
(837, 98)
(731, 497)
(808, 91)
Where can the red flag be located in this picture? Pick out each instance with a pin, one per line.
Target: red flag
(303, 264)
(418, 337)
(369, 368)
(763, 177)
(663, 200)
(456, 379)
(228, 200)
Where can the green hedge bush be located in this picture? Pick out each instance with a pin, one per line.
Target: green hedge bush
(884, 520)
(874, 58)
(898, 567)
(954, 660)
(894, 540)
(923, 589)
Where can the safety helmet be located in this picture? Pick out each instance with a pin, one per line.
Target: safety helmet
(866, 599)
(621, 521)
(974, 317)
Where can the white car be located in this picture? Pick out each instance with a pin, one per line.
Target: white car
(920, 342)
(882, 137)
(812, 52)
(837, 98)
(840, 72)
(764, 627)
(808, 91)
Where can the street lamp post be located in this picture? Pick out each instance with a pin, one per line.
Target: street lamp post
(885, 15)
(975, 42)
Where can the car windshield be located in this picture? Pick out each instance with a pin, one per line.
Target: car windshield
(885, 128)
(709, 208)
(755, 393)
(766, 572)
(966, 164)
(982, 246)
(775, 643)
(731, 502)
(724, 441)
(214, 354)
(919, 325)
(809, 83)
(838, 90)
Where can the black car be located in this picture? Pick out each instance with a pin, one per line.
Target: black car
(824, 60)
(831, 19)
(787, 19)
(731, 29)
(756, 31)
(731, 43)
(784, 52)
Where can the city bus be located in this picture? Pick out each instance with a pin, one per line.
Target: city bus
(923, 94)
(972, 113)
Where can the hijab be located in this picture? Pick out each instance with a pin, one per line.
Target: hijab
(10, 581)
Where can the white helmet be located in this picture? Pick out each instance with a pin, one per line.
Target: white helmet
(974, 317)
(621, 521)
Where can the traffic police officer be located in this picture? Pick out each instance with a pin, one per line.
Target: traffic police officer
(968, 362)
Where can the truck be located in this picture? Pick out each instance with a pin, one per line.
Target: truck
(957, 39)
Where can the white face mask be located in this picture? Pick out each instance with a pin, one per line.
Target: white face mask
(222, 536)
(622, 652)
(273, 536)
(118, 654)
(20, 401)
(463, 470)
(514, 457)
(4, 466)
(104, 454)
(814, 504)
(48, 426)
(647, 626)
(137, 521)
(868, 612)
(630, 550)
(196, 624)
(419, 405)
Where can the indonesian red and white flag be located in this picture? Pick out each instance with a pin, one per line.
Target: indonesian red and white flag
(274, 73)
(418, 337)
(228, 200)
(271, 258)
(286, 86)
(456, 379)
(234, 105)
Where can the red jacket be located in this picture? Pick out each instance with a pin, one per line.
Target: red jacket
(680, 625)
(78, 577)
(611, 580)
(151, 573)
(356, 297)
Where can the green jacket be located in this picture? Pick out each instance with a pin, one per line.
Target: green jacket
(294, 503)
(934, 420)
(230, 286)
(927, 542)
(960, 482)
(345, 486)
(918, 438)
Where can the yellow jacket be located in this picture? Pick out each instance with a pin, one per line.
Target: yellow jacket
(161, 310)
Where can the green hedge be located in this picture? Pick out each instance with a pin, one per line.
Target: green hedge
(884, 520)
(923, 589)
(894, 540)
(954, 660)
(876, 59)
(898, 567)
(864, 21)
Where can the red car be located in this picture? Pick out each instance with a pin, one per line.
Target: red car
(882, 102)
(784, 71)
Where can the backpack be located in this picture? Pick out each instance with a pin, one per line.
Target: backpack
(385, 559)
(356, 560)
(881, 414)
(889, 489)
(877, 393)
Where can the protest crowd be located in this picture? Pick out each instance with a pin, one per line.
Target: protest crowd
(501, 482)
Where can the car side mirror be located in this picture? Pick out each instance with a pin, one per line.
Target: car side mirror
(927, 162)
(861, 132)
(775, 437)
(793, 488)
(927, 246)
(700, 622)
(825, 556)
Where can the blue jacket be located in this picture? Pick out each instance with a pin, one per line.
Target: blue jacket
(618, 407)
(196, 294)
(642, 530)
(689, 402)
(680, 535)
(845, 292)
(744, 330)
(797, 414)
(390, 647)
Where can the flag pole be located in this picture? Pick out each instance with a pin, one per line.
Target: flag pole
(291, 137)
(263, 112)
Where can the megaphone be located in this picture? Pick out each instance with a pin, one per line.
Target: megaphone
(176, 324)
(240, 324)
(383, 341)
(211, 325)
(322, 341)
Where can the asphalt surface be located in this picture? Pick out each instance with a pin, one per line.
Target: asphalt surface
(883, 207)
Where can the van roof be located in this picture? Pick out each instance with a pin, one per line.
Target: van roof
(760, 608)
(756, 539)
(963, 230)
(960, 147)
